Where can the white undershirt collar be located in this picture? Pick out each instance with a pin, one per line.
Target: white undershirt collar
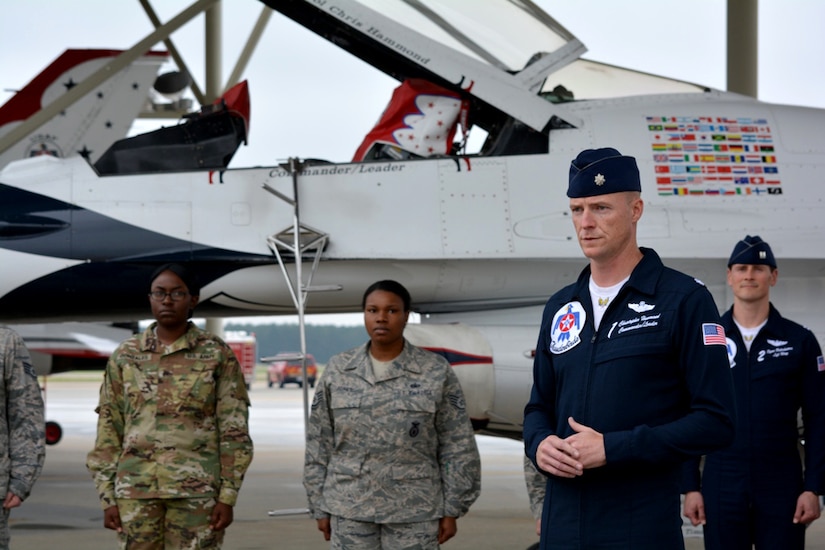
(601, 296)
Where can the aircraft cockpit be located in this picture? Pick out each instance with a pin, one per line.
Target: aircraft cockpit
(505, 67)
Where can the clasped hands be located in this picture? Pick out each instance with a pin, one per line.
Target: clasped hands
(571, 456)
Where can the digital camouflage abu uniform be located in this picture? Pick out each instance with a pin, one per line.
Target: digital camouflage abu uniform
(172, 423)
(22, 431)
(536, 486)
(395, 450)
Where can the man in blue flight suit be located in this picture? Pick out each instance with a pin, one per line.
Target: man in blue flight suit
(754, 493)
(630, 377)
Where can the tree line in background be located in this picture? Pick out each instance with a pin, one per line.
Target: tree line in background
(323, 341)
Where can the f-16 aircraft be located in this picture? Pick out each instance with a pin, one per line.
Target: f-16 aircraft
(479, 239)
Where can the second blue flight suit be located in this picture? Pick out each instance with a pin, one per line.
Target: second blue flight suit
(750, 489)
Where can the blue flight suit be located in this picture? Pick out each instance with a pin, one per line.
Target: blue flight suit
(654, 380)
(750, 489)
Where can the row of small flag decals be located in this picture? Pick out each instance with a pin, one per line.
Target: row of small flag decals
(713, 156)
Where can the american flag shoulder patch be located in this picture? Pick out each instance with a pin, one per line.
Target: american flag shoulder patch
(713, 334)
(820, 364)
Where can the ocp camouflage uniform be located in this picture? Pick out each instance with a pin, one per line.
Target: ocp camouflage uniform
(390, 451)
(173, 424)
(22, 429)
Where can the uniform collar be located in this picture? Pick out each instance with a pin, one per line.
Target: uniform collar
(773, 328)
(644, 277)
(360, 361)
(149, 342)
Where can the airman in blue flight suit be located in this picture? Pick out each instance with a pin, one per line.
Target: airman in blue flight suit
(755, 493)
(630, 377)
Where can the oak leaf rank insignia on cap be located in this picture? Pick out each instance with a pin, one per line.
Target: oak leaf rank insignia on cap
(602, 171)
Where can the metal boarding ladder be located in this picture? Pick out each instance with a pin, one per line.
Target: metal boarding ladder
(298, 239)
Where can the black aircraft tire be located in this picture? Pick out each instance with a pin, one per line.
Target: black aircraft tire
(54, 433)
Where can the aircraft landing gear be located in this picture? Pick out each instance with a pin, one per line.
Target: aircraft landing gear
(53, 433)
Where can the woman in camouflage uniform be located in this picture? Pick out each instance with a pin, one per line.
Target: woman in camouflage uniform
(391, 459)
(22, 428)
(172, 436)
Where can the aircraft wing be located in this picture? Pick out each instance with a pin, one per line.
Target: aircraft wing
(61, 347)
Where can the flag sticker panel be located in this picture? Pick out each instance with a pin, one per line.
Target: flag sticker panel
(713, 156)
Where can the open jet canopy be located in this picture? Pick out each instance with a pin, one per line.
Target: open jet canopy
(509, 55)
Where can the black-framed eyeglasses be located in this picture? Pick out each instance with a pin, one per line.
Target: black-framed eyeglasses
(160, 295)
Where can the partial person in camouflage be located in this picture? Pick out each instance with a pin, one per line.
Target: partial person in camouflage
(22, 429)
(391, 460)
(536, 486)
(172, 441)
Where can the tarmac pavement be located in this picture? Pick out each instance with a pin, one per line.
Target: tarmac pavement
(64, 512)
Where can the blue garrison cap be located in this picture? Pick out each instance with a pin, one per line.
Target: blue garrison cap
(602, 171)
(752, 250)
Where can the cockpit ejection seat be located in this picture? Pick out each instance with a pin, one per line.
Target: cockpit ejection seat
(420, 121)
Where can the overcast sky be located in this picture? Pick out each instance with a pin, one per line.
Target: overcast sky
(312, 100)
